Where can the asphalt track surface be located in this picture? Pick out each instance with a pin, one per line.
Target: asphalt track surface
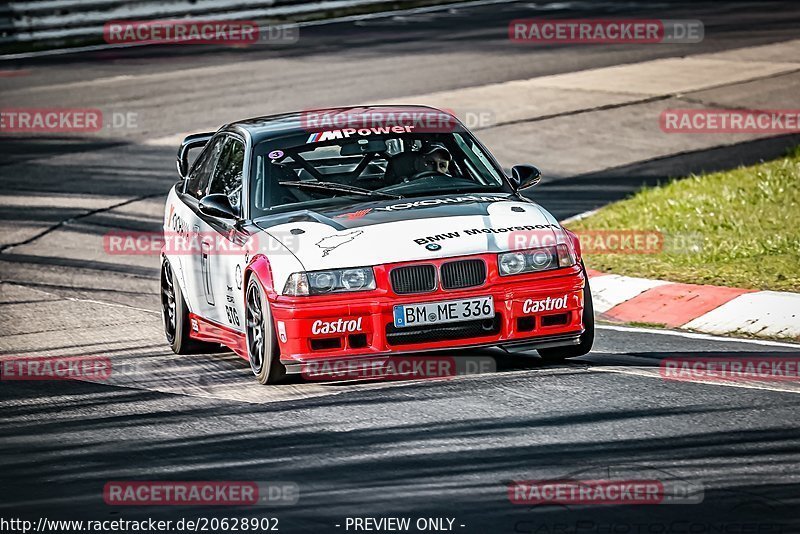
(443, 448)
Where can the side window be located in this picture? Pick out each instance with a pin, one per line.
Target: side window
(228, 173)
(477, 162)
(197, 184)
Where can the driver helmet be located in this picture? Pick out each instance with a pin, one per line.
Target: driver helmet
(435, 157)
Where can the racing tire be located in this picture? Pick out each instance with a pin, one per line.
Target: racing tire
(558, 354)
(175, 314)
(263, 351)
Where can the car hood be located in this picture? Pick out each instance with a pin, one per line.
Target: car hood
(419, 228)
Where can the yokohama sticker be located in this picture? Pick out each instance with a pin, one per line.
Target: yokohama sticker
(439, 201)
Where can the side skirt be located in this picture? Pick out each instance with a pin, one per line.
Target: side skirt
(205, 330)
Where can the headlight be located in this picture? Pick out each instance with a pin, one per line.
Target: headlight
(333, 281)
(535, 260)
(512, 263)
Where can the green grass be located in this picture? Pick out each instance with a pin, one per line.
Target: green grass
(738, 228)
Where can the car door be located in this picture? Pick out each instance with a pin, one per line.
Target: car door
(224, 266)
(199, 294)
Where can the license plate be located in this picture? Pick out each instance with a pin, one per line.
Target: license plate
(449, 311)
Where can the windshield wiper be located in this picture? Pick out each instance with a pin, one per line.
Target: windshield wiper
(473, 188)
(341, 188)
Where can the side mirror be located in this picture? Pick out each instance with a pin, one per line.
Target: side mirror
(523, 176)
(190, 143)
(217, 205)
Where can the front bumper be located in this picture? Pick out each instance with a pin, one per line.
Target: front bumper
(361, 325)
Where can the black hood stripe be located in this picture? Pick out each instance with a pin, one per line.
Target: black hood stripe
(386, 211)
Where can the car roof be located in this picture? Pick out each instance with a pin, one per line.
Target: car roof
(283, 124)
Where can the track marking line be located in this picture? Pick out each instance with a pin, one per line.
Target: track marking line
(655, 374)
(578, 217)
(60, 224)
(112, 304)
(696, 335)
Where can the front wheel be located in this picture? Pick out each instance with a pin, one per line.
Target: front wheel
(558, 354)
(262, 343)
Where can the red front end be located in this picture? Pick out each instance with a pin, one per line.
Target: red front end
(544, 307)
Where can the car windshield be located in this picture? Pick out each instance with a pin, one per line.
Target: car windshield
(327, 167)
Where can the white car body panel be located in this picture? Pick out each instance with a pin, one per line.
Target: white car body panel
(212, 283)
(323, 247)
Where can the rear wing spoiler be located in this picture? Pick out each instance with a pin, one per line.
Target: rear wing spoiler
(193, 141)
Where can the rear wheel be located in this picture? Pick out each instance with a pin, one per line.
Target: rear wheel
(558, 354)
(262, 343)
(176, 316)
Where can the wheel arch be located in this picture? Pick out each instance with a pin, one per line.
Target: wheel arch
(260, 266)
(176, 265)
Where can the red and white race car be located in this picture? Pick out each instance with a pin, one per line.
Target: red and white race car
(363, 233)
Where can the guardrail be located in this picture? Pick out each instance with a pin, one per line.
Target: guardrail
(36, 21)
